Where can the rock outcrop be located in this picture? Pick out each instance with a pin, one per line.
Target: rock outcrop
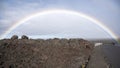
(24, 37)
(50, 53)
(14, 37)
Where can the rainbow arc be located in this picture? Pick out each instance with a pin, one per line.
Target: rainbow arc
(42, 13)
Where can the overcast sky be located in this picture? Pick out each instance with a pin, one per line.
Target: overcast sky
(106, 11)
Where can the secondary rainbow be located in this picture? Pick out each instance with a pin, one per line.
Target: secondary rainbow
(41, 13)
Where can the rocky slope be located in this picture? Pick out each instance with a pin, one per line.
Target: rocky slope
(39, 53)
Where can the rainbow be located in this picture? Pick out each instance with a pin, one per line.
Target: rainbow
(42, 13)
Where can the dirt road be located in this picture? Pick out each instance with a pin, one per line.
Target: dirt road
(105, 56)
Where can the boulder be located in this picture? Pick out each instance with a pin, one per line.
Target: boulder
(24, 37)
(14, 37)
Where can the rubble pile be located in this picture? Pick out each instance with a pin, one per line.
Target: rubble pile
(40, 53)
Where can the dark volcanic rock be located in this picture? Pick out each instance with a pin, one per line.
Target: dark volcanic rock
(24, 37)
(14, 37)
(50, 53)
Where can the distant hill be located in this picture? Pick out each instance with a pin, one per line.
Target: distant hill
(106, 41)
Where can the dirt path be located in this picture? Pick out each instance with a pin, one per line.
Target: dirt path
(97, 59)
(113, 55)
(105, 56)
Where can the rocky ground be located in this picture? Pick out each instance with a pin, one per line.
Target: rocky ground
(39, 53)
(58, 53)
